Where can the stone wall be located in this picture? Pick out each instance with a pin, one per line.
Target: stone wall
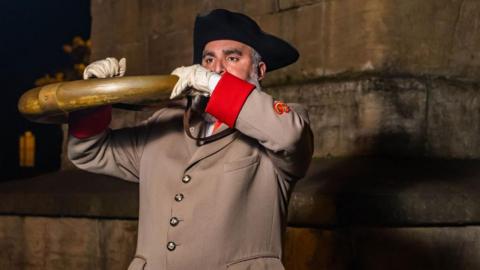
(380, 248)
(379, 77)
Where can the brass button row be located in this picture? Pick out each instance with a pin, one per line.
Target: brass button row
(174, 220)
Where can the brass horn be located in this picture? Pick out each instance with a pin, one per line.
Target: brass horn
(52, 103)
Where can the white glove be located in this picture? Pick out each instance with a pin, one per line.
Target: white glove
(106, 68)
(197, 77)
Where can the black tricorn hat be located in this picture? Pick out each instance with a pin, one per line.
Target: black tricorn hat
(223, 24)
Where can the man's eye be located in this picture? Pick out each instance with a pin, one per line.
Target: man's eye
(208, 60)
(232, 59)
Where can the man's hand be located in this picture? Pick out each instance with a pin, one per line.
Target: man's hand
(197, 77)
(106, 68)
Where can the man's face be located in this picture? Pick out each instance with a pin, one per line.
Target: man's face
(231, 56)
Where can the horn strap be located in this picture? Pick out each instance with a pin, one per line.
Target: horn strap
(186, 126)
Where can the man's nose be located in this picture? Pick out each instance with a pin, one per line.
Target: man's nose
(219, 67)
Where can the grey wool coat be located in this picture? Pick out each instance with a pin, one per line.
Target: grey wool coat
(216, 206)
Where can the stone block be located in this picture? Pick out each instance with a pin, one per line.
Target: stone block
(73, 245)
(11, 241)
(100, 33)
(448, 248)
(362, 117)
(137, 58)
(386, 192)
(70, 193)
(417, 248)
(308, 248)
(114, 24)
(66, 243)
(117, 240)
(255, 8)
(464, 51)
(454, 120)
(135, 53)
(169, 50)
(169, 16)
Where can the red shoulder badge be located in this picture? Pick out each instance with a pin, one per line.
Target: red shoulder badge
(280, 107)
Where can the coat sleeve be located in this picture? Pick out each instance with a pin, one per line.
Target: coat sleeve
(285, 133)
(112, 152)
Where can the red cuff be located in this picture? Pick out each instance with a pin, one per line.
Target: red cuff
(87, 123)
(228, 98)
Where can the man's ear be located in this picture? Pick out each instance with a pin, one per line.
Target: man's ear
(262, 68)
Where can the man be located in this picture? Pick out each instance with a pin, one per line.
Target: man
(214, 184)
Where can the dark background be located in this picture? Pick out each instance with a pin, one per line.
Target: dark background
(32, 35)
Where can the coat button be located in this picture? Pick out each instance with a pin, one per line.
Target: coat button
(179, 197)
(171, 246)
(186, 179)
(174, 221)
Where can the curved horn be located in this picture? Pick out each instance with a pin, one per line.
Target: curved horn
(52, 103)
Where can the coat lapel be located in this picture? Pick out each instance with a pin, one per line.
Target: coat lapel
(206, 150)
